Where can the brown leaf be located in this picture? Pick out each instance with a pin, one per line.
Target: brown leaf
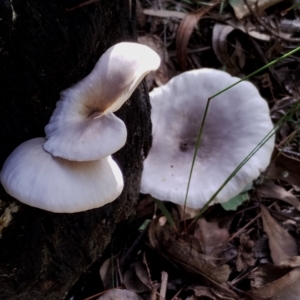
(203, 292)
(213, 240)
(285, 168)
(286, 287)
(137, 279)
(241, 10)
(166, 70)
(164, 13)
(271, 190)
(281, 243)
(219, 43)
(145, 207)
(108, 271)
(182, 249)
(185, 30)
(245, 256)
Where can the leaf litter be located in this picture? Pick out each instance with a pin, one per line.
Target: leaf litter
(250, 250)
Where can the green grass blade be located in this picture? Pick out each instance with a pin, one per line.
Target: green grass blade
(294, 108)
(204, 118)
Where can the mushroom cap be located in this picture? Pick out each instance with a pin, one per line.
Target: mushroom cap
(38, 179)
(236, 122)
(83, 126)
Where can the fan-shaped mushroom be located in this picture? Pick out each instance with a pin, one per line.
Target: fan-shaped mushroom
(236, 123)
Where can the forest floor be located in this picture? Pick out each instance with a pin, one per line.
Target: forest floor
(249, 249)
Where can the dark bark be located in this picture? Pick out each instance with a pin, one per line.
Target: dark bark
(43, 50)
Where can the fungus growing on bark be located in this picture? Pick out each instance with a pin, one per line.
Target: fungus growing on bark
(237, 121)
(83, 126)
(72, 170)
(35, 177)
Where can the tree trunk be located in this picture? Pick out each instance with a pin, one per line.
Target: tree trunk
(45, 48)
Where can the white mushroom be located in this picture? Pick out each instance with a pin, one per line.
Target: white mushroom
(83, 126)
(237, 121)
(35, 177)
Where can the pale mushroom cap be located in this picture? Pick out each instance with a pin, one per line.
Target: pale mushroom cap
(38, 179)
(83, 126)
(237, 121)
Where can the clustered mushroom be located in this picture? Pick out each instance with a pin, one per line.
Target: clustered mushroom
(72, 170)
(237, 121)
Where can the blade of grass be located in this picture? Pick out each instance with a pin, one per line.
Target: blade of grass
(294, 108)
(206, 110)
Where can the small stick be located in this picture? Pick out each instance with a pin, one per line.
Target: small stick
(163, 287)
(81, 5)
(243, 228)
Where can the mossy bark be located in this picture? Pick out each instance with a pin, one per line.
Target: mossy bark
(45, 48)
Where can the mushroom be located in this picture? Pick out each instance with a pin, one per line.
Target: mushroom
(35, 177)
(72, 170)
(83, 126)
(236, 122)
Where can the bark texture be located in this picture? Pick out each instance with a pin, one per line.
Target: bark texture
(44, 48)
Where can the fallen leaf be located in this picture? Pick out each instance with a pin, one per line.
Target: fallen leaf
(186, 213)
(284, 167)
(271, 190)
(220, 47)
(137, 279)
(281, 243)
(212, 238)
(286, 287)
(183, 250)
(203, 292)
(164, 13)
(186, 28)
(236, 201)
(108, 272)
(241, 10)
(166, 70)
(245, 256)
(248, 28)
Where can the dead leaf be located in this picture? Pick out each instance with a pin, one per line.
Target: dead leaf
(185, 31)
(292, 262)
(245, 256)
(271, 190)
(286, 287)
(203, 292)
(281, 243)
(117, 294)
(137, 279)
(145, 207)
(241, 10)
(140, 17)
(248, 28)
(186, 213)
(220, 47)
(212, 238)
(181, 249)
(164, 13)
(166, 69)
(108, 272)
(285, 168)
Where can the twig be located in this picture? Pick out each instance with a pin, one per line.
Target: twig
(179, 291)
(249, 223)
(135, 244)
(267, 27)
(81, 5)
(163, 286)
(99, 294)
